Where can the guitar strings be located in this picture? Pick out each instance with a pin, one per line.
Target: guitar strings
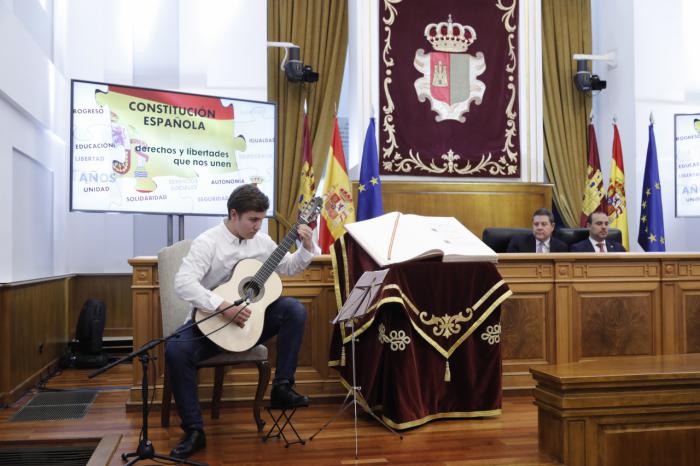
(206, 335)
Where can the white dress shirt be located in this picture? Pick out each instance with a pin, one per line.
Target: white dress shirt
(213, 255)
(545, 245)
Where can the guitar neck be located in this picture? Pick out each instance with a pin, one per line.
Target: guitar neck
(274, 260)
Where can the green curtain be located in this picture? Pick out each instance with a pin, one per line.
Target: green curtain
(566, 29)
(320, 28)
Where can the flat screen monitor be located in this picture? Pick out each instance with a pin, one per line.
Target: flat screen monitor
(687, 142)
(138, 150)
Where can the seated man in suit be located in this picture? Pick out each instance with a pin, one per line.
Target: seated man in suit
(541, 239)
(597, 240)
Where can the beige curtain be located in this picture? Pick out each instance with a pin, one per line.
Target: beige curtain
(320, 28)
(566, 29)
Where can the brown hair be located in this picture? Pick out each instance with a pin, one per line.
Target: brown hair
(247, 198)
(544, 212)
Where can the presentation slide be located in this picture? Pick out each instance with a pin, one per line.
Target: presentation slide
(153, 151)
(688, 165)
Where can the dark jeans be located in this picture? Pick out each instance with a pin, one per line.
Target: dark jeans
(285, 318)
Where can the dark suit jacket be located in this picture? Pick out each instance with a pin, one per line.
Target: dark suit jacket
(527, 243)
(586, 246)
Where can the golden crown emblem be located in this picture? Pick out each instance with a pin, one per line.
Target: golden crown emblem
(256, 179)
(449, 36)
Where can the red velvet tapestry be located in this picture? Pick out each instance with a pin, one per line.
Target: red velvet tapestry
(448, 76)
(430, 346)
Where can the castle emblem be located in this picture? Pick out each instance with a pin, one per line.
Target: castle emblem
(449, 75)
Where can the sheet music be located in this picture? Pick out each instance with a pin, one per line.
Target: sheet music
(361, 296)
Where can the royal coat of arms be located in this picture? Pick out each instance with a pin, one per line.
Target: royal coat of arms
(449, 75)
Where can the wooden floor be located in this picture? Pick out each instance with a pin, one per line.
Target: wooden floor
(510, 439)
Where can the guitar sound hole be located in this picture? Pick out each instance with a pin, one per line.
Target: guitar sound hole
(251, 290)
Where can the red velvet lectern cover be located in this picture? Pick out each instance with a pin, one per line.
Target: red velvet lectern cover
(430, 346)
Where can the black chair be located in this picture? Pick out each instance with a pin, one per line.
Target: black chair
(498, 238)
(574, 235)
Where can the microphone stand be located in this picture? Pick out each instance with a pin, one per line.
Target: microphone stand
(145, 450)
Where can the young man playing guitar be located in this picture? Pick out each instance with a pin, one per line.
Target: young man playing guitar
(209, 263)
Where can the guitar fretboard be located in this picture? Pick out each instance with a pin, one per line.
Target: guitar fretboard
(273, 261)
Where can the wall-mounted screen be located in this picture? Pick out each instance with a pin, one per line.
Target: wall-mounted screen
(153, 151)
(687, 141)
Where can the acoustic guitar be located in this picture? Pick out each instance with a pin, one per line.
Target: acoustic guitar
(259, 284)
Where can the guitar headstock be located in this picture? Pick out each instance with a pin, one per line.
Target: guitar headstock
(309, 212)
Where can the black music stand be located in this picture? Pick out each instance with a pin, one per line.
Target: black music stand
(356, 305)
(145, 449)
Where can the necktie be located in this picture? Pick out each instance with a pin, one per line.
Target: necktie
(540, 247)
(601, 247)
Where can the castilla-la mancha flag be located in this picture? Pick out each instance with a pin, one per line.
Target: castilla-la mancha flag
(617, 201)
(307, 182)
(338, 208)
(593, 190)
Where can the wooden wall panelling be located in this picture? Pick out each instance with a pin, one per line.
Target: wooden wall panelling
(114, 290)
(34, 336)
(681, 293)
(574, 446)
(528, 331)
(144, 306)
(659, 440)
(675, 320)
(689, 310)
(476, 205)
(609, 321)
(5, 380)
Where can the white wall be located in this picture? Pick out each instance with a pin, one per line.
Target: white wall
(651, 77)
(31, 144)
(216, 47)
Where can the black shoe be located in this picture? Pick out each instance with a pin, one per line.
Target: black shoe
(192, 442)
(284, 396)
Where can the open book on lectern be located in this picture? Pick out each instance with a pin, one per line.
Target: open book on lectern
(395, 237)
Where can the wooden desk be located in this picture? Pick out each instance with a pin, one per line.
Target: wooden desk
(621, 411)
(564, 308)
(580, 306)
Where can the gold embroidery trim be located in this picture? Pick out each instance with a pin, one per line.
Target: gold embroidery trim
(336, 275)
(344, 252)
(447, 353)
(397, 339)
(492, 335)
(446, 325)
(419, 422)
(404, 301)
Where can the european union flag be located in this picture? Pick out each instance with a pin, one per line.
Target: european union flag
(369, 197)
(651, 221)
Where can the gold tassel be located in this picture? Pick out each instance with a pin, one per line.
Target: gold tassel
(448, 375)
(342, 356)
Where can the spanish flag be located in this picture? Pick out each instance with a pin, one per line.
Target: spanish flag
(593, 190)
(338, 208)
(617, 201)
(307, 182)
